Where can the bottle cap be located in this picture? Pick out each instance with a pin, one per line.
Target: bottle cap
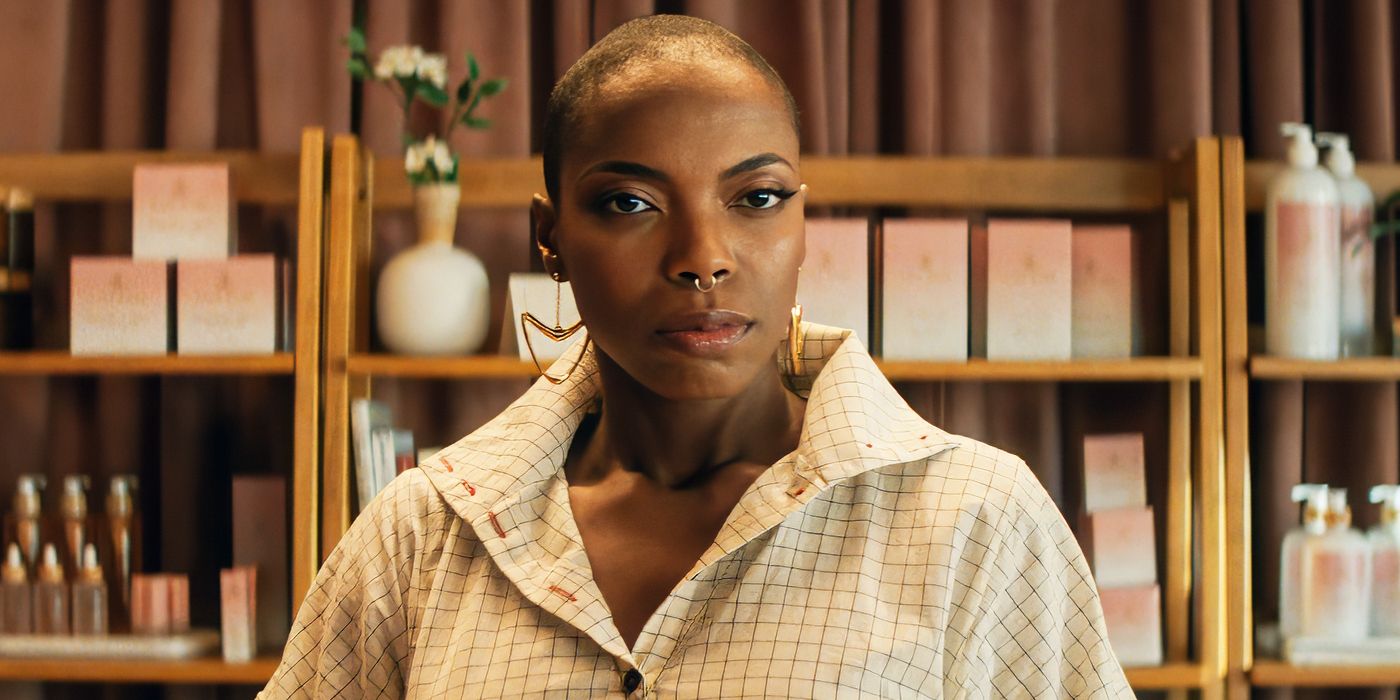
(1388, 495)
(75, 495)
(91, 571)
(1339, 157)
(27, 488)
(50, 571)
(1301, 151)
(21, 199)
(1315, 514)
(13, 570)
(1338, 512)
(119, 497)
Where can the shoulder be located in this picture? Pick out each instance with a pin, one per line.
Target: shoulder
(403, 520)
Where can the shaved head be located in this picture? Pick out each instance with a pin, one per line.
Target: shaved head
(645, 53)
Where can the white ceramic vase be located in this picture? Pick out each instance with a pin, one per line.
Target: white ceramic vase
(434, 299)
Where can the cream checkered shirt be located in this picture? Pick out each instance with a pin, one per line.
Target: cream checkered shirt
(882, 558)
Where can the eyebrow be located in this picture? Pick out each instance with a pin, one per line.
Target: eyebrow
(627, 167)
(754, 163)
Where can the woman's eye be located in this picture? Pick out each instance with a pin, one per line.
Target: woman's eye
(766, 199)
(623, 203)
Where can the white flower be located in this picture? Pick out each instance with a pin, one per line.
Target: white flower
(442, 157)
(415, 159)
(433, 68)
(398, 62)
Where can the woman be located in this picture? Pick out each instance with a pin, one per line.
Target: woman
(698, 502)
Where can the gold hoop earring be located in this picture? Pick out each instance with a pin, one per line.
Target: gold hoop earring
(795, 338)
(556, 333)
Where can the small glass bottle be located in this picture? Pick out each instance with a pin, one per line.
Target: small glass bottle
(90, 596)
(15, 594)
(74, 508)
(50, 595)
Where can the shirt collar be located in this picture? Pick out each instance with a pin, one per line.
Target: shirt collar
(855, 421)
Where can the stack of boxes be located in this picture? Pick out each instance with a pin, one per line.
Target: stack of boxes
(183, 288)
(1117, 534)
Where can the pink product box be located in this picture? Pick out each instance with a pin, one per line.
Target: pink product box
(1134, 619)
(238, 591)
(120, 306)
(834, 285)
(1121, 546)
(160, 603)
(1114, 472)
(183, 211)
(1028, 289)
(925, 295)
(227, 306)
(260, 540)
(1102, 282)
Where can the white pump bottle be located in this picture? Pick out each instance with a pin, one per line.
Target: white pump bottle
(1385, 563)
(1337, 577)
(1302, 248)
(1295, 544)
(1358, 252)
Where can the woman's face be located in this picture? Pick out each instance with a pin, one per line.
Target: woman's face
(679, 175)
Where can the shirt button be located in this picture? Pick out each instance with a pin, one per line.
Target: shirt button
(631, 680)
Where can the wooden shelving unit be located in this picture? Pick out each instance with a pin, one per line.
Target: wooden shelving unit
(1185, 192)
(260, 179)
(1244, 185)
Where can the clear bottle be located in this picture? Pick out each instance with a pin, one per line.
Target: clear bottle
(1302, 247)
(1358, 253)
(16, 595)
(23, 524)
(124, 526)
(1295, 544)
(1385, 563)
(51, 596)
(1337, 578)
(74, 508)
(90, 596)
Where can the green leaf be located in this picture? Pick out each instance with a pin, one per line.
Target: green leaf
(356, 40)
(358, 68)
(477, 123)
(493, 87)
(473, 70)
(464, 90)
(432, 94)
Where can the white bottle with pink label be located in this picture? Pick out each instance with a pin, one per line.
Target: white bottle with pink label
(1385, 563)
(1302, 251)
(1358, 253)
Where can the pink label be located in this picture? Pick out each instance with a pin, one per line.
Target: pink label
(1303, 297)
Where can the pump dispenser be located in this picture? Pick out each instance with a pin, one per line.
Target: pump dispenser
(15, 594)
(50, 596)
(1295, 543)
(23, 522)
(1358, 253)
(90, 596)
(1337, 578)
(124, 525)
(1385, 563)
(74, 507)
(1302, 247)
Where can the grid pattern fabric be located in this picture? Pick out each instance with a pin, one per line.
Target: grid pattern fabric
(881, 558)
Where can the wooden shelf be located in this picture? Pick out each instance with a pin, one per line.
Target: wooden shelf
(195, 671)
(60, 362)
(1166, 677)
(1357, 369)
(105, 176)
(1269, 673)
(504, 367)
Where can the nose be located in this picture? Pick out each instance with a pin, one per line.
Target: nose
(698, 253)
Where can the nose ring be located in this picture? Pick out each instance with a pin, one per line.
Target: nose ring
(715, 279)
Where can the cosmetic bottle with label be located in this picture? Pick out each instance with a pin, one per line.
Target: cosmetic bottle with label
(74, 507)
(1302, 247)
(1337, 577)
(23, 524)
(124, 527)
(1358, 253)
(1296, 543)
(50, 595)
(90, 596)
(1385, 563)
(16, 595)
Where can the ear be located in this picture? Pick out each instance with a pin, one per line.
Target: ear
(544, 217)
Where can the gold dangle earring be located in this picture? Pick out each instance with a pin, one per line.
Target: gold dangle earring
(556, 333)
(795, 336)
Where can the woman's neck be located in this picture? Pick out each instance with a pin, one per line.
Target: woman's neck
(681, 444)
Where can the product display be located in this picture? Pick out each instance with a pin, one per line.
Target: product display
(924, 300)
(183, 211)
(74, 509)
(260, 539)
(1302, 248)
(1325, 575)
(150, 604)
(50, 595)
(23, 524)
(124, 529)
(1358, 252)
(238, 612)
(1119, 544)
(1029, 290)
(16, 594)
(227, 307)
(1134, 619)
(834, 284)
(1115, 472)
(1102, 296)
(1296, 545)
(120, 306)
(89, 596)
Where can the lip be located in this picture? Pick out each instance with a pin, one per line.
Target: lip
(704, 333)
